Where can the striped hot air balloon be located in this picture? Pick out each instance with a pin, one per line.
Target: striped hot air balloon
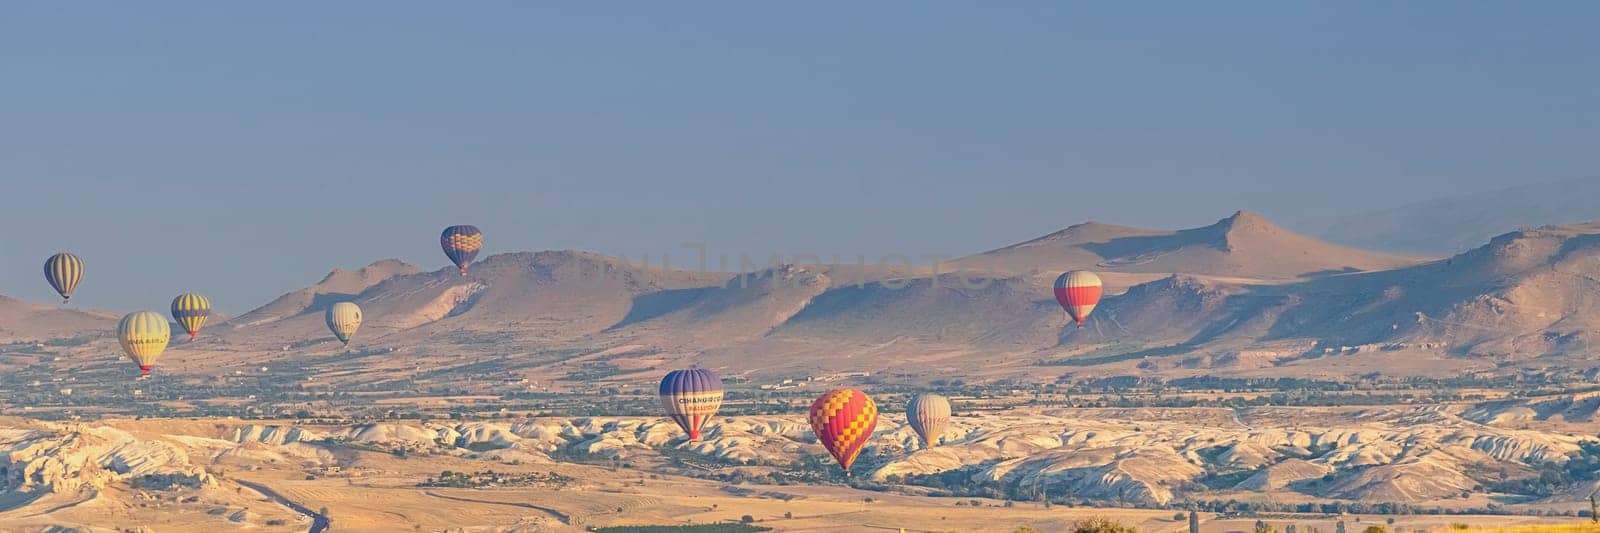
(63, 271)
(1078, 291)
(144, 335)
(344, 318)
(843, 420)
(461, 245)
(691, 397)
(928, 414)
(191, 311)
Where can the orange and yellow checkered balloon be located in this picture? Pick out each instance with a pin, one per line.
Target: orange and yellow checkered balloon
(843, 420)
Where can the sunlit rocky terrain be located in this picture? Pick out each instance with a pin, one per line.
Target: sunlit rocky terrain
(280, 474)
(1237, 369)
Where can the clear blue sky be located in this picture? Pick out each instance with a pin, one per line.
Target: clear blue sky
(243, 150)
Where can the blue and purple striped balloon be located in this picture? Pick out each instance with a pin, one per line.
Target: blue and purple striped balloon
(691, 397)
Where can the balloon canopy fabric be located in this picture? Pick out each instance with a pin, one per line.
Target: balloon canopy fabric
(143, 335)
(191, 311)
(844, 420)
(461, 245)
(344, 318)
(928, 414)
(63, 271)
(1078, 291)
(691, 397)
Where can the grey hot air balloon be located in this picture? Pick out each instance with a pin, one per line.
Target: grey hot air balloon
(928, 414)
(63, 271)
(344, 318)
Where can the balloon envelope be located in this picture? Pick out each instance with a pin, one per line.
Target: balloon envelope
(344, 318)
(928, 414)
(691, 397)
(843, 420)
(1078, 291)
(461, 245)
(143, 335)
(191, 311)
(63, 271)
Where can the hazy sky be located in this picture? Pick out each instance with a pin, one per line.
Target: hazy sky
(243, 150)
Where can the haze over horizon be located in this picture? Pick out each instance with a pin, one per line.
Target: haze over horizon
(242, 151)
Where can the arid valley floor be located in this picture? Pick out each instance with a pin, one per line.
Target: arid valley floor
(556, 473)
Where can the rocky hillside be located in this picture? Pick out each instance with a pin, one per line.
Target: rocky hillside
(1241, 297)
(1244, 245)
(547, 296)
(22, 321)
(337, 285)
(1372, 455)
(1150, 457)
(97, 473)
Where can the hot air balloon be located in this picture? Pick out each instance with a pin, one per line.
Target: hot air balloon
(843, 420)
(344, 318)
(1078, 291)
(928, 414)
(144, 336)
(461, 245)
(63, 271)
(191, 311)
(691, 397)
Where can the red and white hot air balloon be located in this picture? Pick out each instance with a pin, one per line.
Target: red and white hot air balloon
(1078, 291)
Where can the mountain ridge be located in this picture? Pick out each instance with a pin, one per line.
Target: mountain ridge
(1460, 222)
(1521, 296)
(1244, 244)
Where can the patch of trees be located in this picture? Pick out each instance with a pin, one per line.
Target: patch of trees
(1277, 399)
(752, 493)
(166, 482)
(958, 483)
(690, 528)
(1100, 525)
(1551, 477)
(1239, 508)
(490, 478)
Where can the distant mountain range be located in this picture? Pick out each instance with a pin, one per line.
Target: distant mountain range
(27, 321)
(1244, 245)
(1239, 297)
(1455, 223)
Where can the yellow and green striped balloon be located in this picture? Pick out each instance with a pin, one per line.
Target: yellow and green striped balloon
(191, 311)
(144, 336)
(63, 271)
(344, 318)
